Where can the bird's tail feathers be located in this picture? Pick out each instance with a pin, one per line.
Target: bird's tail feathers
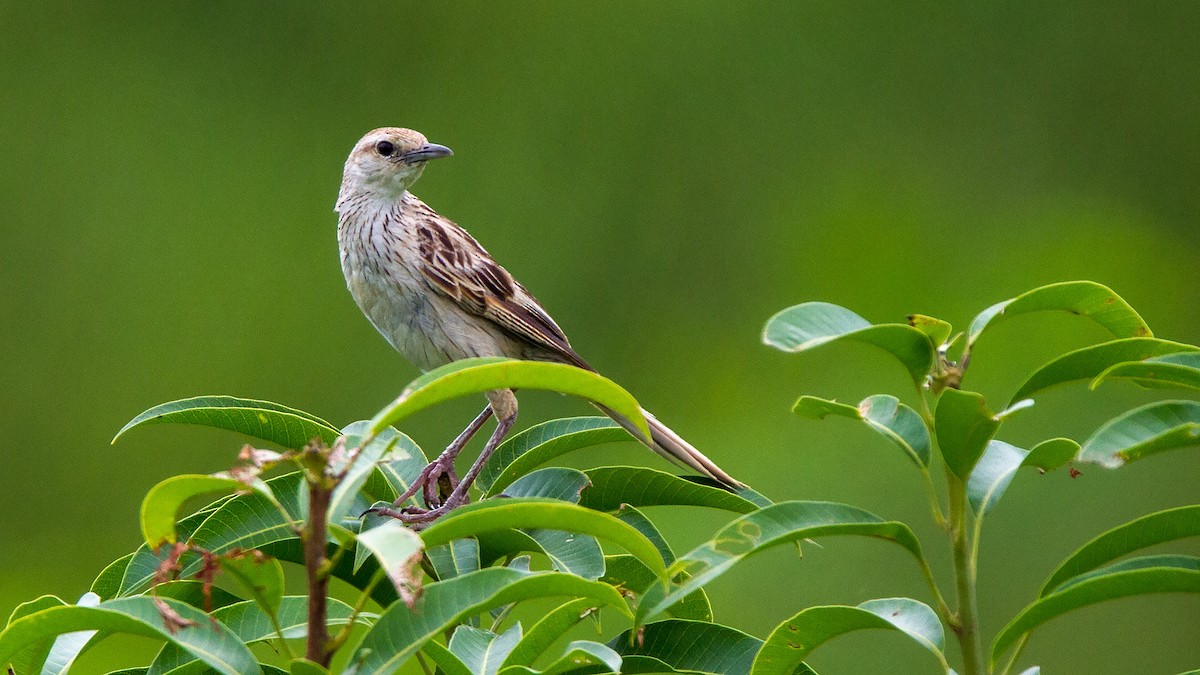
(671, 446)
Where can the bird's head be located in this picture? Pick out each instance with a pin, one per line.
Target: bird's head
(389, 160)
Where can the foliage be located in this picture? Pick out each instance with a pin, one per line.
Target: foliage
(210, 584)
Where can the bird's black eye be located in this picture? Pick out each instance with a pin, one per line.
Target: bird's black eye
(385, 148)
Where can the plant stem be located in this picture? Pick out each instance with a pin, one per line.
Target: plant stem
(966, 626)
(317, 568)
(344, 634)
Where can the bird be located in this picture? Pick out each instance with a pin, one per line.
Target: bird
(437, 296)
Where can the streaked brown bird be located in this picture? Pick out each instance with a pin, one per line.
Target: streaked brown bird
(438, 296)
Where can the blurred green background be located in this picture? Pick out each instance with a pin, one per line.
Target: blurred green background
(664, 176)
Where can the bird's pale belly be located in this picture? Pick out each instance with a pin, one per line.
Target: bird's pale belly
(421, 325)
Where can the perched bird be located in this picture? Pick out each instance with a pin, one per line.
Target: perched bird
(438, 296)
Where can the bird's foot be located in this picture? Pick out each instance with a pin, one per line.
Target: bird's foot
(419, 518)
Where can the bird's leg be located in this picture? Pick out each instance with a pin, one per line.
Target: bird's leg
(427, 481)
(504, 402)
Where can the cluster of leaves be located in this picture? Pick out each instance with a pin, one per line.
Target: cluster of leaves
(211, 583)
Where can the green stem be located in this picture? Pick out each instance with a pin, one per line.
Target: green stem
(344, 634)
(966, 626)
(1016, 654)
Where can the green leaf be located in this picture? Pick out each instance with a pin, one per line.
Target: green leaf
(108, 582)
(1051, 454)
(546, 514)
(387, 442)
(1145, 431)
(251, 624)
(447, 663)
(613, 486)
(1086, 298)
(992, 474)
(774, 525)
(264, 420)
(937, 329)
(532, 447)
(262, 577)
(642, 524)
(400, 632)
(793, 640)
(692, 645)
(306, 667)
(1187, 562)
(212, 643)
(964, 425)
(579, 656)
(556, 482)
(1170, 370)
(391, 478)
(455, 559)
(626, 572)
(161, 506)
(31, 658)
(552, 626)
(482, 650)
(813, 324)
(479, 375)
(398, 551)
(1149, 530)
(68, 646)
(885, 414)
(1090, 362)
(1094, 590)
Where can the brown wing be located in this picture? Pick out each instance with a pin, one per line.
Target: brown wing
(459, 267)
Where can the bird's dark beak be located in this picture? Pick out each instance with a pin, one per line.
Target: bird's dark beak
(427, 152)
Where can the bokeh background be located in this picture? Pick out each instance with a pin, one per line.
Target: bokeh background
(664, 176)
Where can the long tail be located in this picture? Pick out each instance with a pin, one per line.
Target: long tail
(676, 450)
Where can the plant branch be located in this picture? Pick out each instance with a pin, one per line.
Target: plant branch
(316, 565)
(966, 626)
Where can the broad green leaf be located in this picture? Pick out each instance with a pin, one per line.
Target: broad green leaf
(192, 592)
(885, 414)
(626, 572)
(1149, 430)
(1149, 530)
(692, 645)
(161, 506)
(1086, 298)
(532, 447)
(140, 568)
(1170, 370)
(568, 551)
(648, 665)
(613, 486)
(476, 376)
(482, 650)
(992, 474)
(212, 643)
(306, 667)
(813, 324)
(1051, 454)
(30, 658)
(937, 329)
(455, 559)
(642, 524)
(398, 551)
(774, 525)
(556, 482)
(387, 443)
(1118, 584)
(446, 662)
(108, 582)
(964, 425)
(68, 646)
(1187, 562)
(251, 624)
(264, 420)
(548, 630)
(1090, 362)
(793, 640)
(262, 577)
(579, 656)
(546, 514)
(400, 632)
